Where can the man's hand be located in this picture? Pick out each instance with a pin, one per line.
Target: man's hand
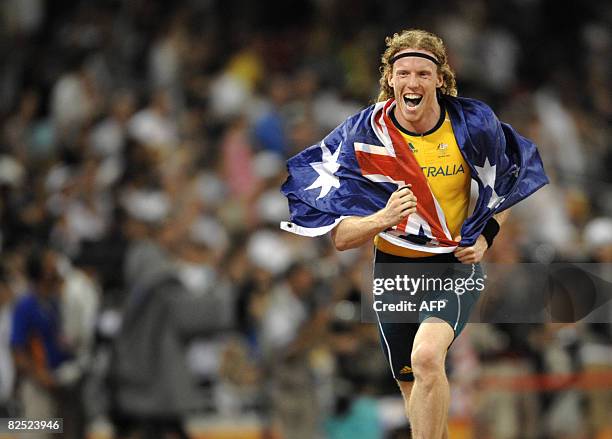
(473, 254)
(355, 231)
(401, 204)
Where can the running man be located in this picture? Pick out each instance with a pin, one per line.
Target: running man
(399, 174)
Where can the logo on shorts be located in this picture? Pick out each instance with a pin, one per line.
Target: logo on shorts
(405, 370)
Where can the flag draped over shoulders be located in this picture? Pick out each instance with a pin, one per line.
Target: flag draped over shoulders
(354, 170)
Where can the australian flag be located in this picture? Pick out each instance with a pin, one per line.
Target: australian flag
(354, 170)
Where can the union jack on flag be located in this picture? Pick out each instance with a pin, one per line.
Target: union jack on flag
(356, 168)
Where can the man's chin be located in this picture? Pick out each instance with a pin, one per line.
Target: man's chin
(410, 115)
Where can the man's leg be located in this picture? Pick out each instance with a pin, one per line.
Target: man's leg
(406, 388)
(430, 395)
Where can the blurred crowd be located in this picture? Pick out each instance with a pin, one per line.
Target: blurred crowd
(144, 278)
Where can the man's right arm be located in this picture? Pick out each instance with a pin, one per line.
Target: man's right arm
(355, 231)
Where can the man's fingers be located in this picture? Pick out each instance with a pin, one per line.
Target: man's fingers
(404, 191)
(406, 205)
(463, 251)
(404, 213)
(404, 194)
(409, 198)
(465, 258)
(402, 203)
(408, 202)
(409, 207)
(401, 195)
(466, 255)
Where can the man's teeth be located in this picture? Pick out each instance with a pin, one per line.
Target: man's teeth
(412, 100)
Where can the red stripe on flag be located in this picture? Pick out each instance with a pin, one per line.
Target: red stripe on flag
(404, 167)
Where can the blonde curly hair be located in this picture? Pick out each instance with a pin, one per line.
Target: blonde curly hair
(420, 40)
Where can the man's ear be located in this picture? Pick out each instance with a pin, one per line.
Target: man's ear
(390, 80)
(440, 81)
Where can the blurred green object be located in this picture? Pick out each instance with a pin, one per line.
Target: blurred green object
(361, 421)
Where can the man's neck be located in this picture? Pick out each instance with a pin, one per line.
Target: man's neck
(425, 125)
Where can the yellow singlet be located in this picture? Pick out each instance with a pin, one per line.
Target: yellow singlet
(448, 176)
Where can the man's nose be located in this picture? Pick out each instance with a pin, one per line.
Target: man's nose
(412, 81)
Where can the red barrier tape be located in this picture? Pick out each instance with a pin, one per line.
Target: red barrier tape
(591, 380)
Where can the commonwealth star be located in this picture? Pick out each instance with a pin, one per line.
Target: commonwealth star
(326, 169)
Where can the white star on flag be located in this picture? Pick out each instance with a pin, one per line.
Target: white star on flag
(486, 172)
(326, 169)
(495, 200)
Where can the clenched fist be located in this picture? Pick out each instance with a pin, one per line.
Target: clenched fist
(401, 204)
(473, 254)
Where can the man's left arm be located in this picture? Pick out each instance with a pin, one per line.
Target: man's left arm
(475, 253)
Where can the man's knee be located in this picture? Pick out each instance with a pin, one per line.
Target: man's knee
(427, 360)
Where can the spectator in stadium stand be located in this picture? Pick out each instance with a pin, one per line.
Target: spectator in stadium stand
(38, 346)
(152, 389)
(399, 173)
(597, 353)
(291, 325)
(7, 368)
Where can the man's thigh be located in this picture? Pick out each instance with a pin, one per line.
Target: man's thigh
(455, 307)
(432, 340)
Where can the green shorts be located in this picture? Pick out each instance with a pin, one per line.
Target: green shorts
(452, 291)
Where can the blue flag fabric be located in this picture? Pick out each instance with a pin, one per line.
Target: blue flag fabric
(326, 183)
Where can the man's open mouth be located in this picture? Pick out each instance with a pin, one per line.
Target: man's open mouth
(412, 100)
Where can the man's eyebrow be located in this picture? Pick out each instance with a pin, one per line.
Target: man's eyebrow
(406, 70)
